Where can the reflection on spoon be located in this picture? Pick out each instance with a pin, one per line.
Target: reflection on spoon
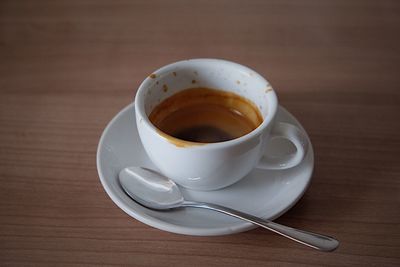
(157, 192)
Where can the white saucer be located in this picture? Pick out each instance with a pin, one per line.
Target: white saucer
(264, 193)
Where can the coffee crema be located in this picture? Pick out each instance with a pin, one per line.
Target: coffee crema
(206, 115)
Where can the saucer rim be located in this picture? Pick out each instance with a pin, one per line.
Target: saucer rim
(185, 230)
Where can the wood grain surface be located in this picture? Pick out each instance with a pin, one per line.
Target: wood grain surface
(67, 67)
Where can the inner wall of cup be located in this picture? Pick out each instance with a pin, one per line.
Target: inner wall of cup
(214, 74)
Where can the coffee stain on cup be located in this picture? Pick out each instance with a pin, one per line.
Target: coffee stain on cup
(153, 75)
(178, 142)
(174, 73)
(268, 89)
(193, 81)
(165, 88)
(238, 82)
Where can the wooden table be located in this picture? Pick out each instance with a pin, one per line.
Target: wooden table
(67, 67)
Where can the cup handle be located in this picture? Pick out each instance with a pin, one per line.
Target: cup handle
(296, 137)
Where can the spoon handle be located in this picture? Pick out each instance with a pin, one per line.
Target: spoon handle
(313, 240)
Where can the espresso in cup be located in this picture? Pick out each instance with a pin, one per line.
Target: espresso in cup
(206, 115)
(207, 139)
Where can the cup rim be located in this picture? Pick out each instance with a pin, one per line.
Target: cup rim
(139, 105)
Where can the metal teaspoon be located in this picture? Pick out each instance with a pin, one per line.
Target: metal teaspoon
(158, 192)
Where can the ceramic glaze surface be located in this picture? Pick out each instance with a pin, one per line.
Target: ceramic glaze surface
(275, 191)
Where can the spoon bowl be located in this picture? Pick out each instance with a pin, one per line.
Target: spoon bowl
(150, 189)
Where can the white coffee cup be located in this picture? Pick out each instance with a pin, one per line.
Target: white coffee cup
(213, 166)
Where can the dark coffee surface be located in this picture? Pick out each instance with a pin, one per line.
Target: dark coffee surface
(206, 115)
(203, 134)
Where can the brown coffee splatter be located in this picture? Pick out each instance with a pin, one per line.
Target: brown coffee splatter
(268, 89)
(174, 73)
(153, 76)
(165, 88)
(193, 81)
(238, 82)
